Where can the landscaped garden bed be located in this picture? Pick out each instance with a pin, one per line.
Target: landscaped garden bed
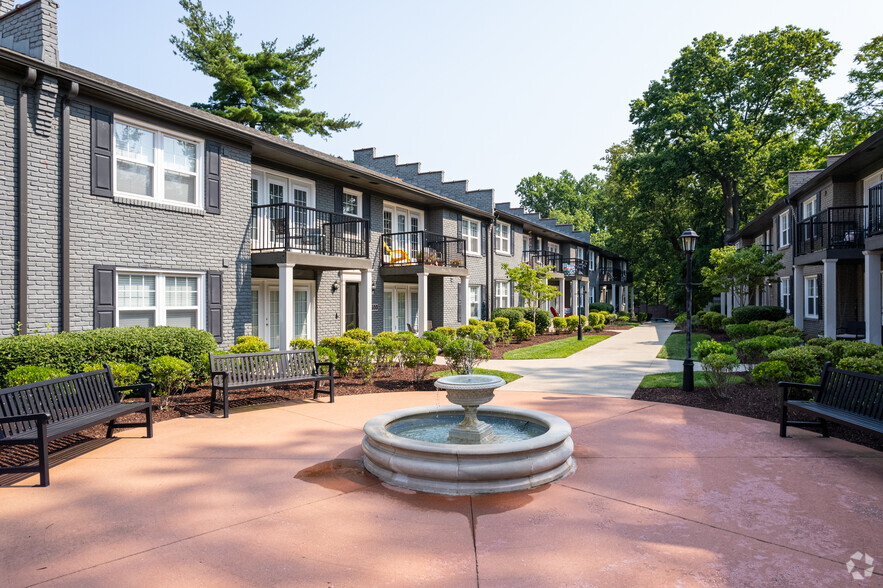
(561, 347)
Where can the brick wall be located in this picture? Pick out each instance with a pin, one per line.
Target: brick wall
(796, 179)
(32, 30)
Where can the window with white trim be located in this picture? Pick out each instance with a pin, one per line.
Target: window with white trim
(352, 202)
(552, 247)
(156, 164)
(501, 294)
(811, 297)
(785, 229)
(785, 294)
(502, 236)
(147, 300)
(591, 261)
(809, 207)
(475, 302)
(471, 231)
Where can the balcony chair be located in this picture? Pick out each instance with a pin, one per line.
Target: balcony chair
(397, 255)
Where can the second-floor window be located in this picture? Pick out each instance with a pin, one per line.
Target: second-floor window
(352, 202)
(809, 207)
(552, 247)
(785, 229)
(591, 261)
(502, 236)
(471, 232)
(152, 163)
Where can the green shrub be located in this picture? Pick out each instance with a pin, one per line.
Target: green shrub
(757, 349)
(710, 346)
(124, 374)
(865, 365)
(572, 324)
(600, 307)
(681, 320)
(302, 344)
(387, 350)
(718, 367)
(440, 339)
(596, 321)
(249, 344)
(609, 318)
(474, 322)
(471, 332)
(490, 336)
(714, 308)
(802, 362)
(514, 315)
(643, 317)
(543, 319)
(560, 323)
(358, 334)
(745, 314)
(28, 374)
(712, 321)
(728, 320)
(463, 355)
(525, 330)
(326, 355)
(502, 323)
(405, 336)
(351, 355)
(842, 349)
(770, 372)
(450, 332)
(170, 375)
(820, 341)
(739, 332)
(419, 355)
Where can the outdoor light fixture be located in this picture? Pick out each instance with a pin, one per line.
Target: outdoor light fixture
(689, 238)
(334, 286)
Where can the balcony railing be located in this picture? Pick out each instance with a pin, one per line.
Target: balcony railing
(839, 227)
(610, 275)
(289, 227)
(572, 266)
(536, 257)
(422, 248)
(875, 210)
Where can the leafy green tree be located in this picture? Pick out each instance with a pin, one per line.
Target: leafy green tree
(262, 90)
(740, 271)
(738, 113)
(532, 284)
(565, 198)
(861, 111)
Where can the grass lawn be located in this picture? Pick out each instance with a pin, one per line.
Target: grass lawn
(508, 376)
(555, 349)
(676, 380)
(676, 346)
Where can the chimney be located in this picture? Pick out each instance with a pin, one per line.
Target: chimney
(831, 159)
(30, 28)
(796, 179)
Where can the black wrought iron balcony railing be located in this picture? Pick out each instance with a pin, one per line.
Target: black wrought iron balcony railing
(875, 210)
(422, 248)
(289, 227)
(572, 266)
(839, 227)
(536, 257)
(610, 275)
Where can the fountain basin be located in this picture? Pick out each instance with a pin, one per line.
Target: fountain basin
(468, 469)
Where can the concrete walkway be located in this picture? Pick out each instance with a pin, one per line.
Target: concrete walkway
(663, 496)
(613, 367)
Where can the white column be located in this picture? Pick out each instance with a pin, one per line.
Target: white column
(286, 304)
(830, 302)
(872, 297)
(464, 299)
(422, 303)
(799, 300)
(365, 298)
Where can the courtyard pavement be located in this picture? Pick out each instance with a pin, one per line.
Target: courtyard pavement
(663, 495)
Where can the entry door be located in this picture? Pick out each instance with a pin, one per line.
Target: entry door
(265, 312)
(399, 307)
(351, 305)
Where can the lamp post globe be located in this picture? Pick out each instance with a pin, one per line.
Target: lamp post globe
(688, 239)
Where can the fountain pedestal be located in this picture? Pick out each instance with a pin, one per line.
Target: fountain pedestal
(470, 394)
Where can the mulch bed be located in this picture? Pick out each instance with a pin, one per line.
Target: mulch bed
(752, 401)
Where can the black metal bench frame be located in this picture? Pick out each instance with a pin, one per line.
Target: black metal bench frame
(38, 413)
(237, 371)
(848, 398)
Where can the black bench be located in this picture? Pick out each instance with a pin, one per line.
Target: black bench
(849, 398)
(236, 371)
(35, 414)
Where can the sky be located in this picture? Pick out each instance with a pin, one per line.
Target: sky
(486, 91)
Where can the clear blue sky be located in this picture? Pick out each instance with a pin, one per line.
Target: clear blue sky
(486, 91)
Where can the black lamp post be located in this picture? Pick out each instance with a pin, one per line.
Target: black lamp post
(580, 309)
(688, 244)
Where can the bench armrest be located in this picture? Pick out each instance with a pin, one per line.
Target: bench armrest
(330, 365)
(214, 374)
(786, 387)
(146, 388)
(37, 416)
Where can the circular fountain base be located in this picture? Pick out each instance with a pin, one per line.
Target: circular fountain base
(505, 465)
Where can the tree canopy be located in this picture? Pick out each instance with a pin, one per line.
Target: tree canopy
(263, 90)
(740, 271)
(532, 284)
(567, 199)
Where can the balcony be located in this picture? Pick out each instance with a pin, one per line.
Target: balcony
(610, 275)
(289, 227)
(537, 257)
(875, 210)
(836, 228)
(574, 267)
(423, 251)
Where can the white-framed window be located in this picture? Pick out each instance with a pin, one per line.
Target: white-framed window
(471, 230)
(156, 164)
(502, 237)
(784, 229)
(400, 307)
(352, 202)
(272, 187)
(591, 295)
(475, 302)
(809, 207)
(501, 294)
(150, 299)
(591, 261)
(552, 247)
(785, 294)
(811, 295)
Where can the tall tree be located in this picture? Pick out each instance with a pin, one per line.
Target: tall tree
(861, 109)
(566, 198)
(740, 271)
(739, 112)
(263, 90)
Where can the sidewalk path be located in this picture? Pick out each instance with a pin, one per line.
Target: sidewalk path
(613, 367)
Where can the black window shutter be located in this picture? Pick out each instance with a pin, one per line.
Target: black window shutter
(102, 152)
(511, 241)
(104, 286)
(338, 199)
(779, 231)
(511, 294)
(213, 305)
(213, 178)
(366, 206)
(484, 237)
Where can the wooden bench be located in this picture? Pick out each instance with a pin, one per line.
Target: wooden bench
(236, 371)
(849, 398)
(35, 414)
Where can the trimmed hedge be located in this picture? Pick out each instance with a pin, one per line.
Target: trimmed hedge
(514, 314)
(745, 314)
(865, 365)
(28, 374)
(739, 332)
(525, 330)
(770, 372)
(600, 307)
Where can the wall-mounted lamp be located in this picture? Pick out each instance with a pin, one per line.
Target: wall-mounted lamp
(373, 287)
(334, 286)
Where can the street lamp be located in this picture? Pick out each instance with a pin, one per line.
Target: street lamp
(688, 244)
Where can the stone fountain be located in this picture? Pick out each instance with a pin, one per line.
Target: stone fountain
(468, 449)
